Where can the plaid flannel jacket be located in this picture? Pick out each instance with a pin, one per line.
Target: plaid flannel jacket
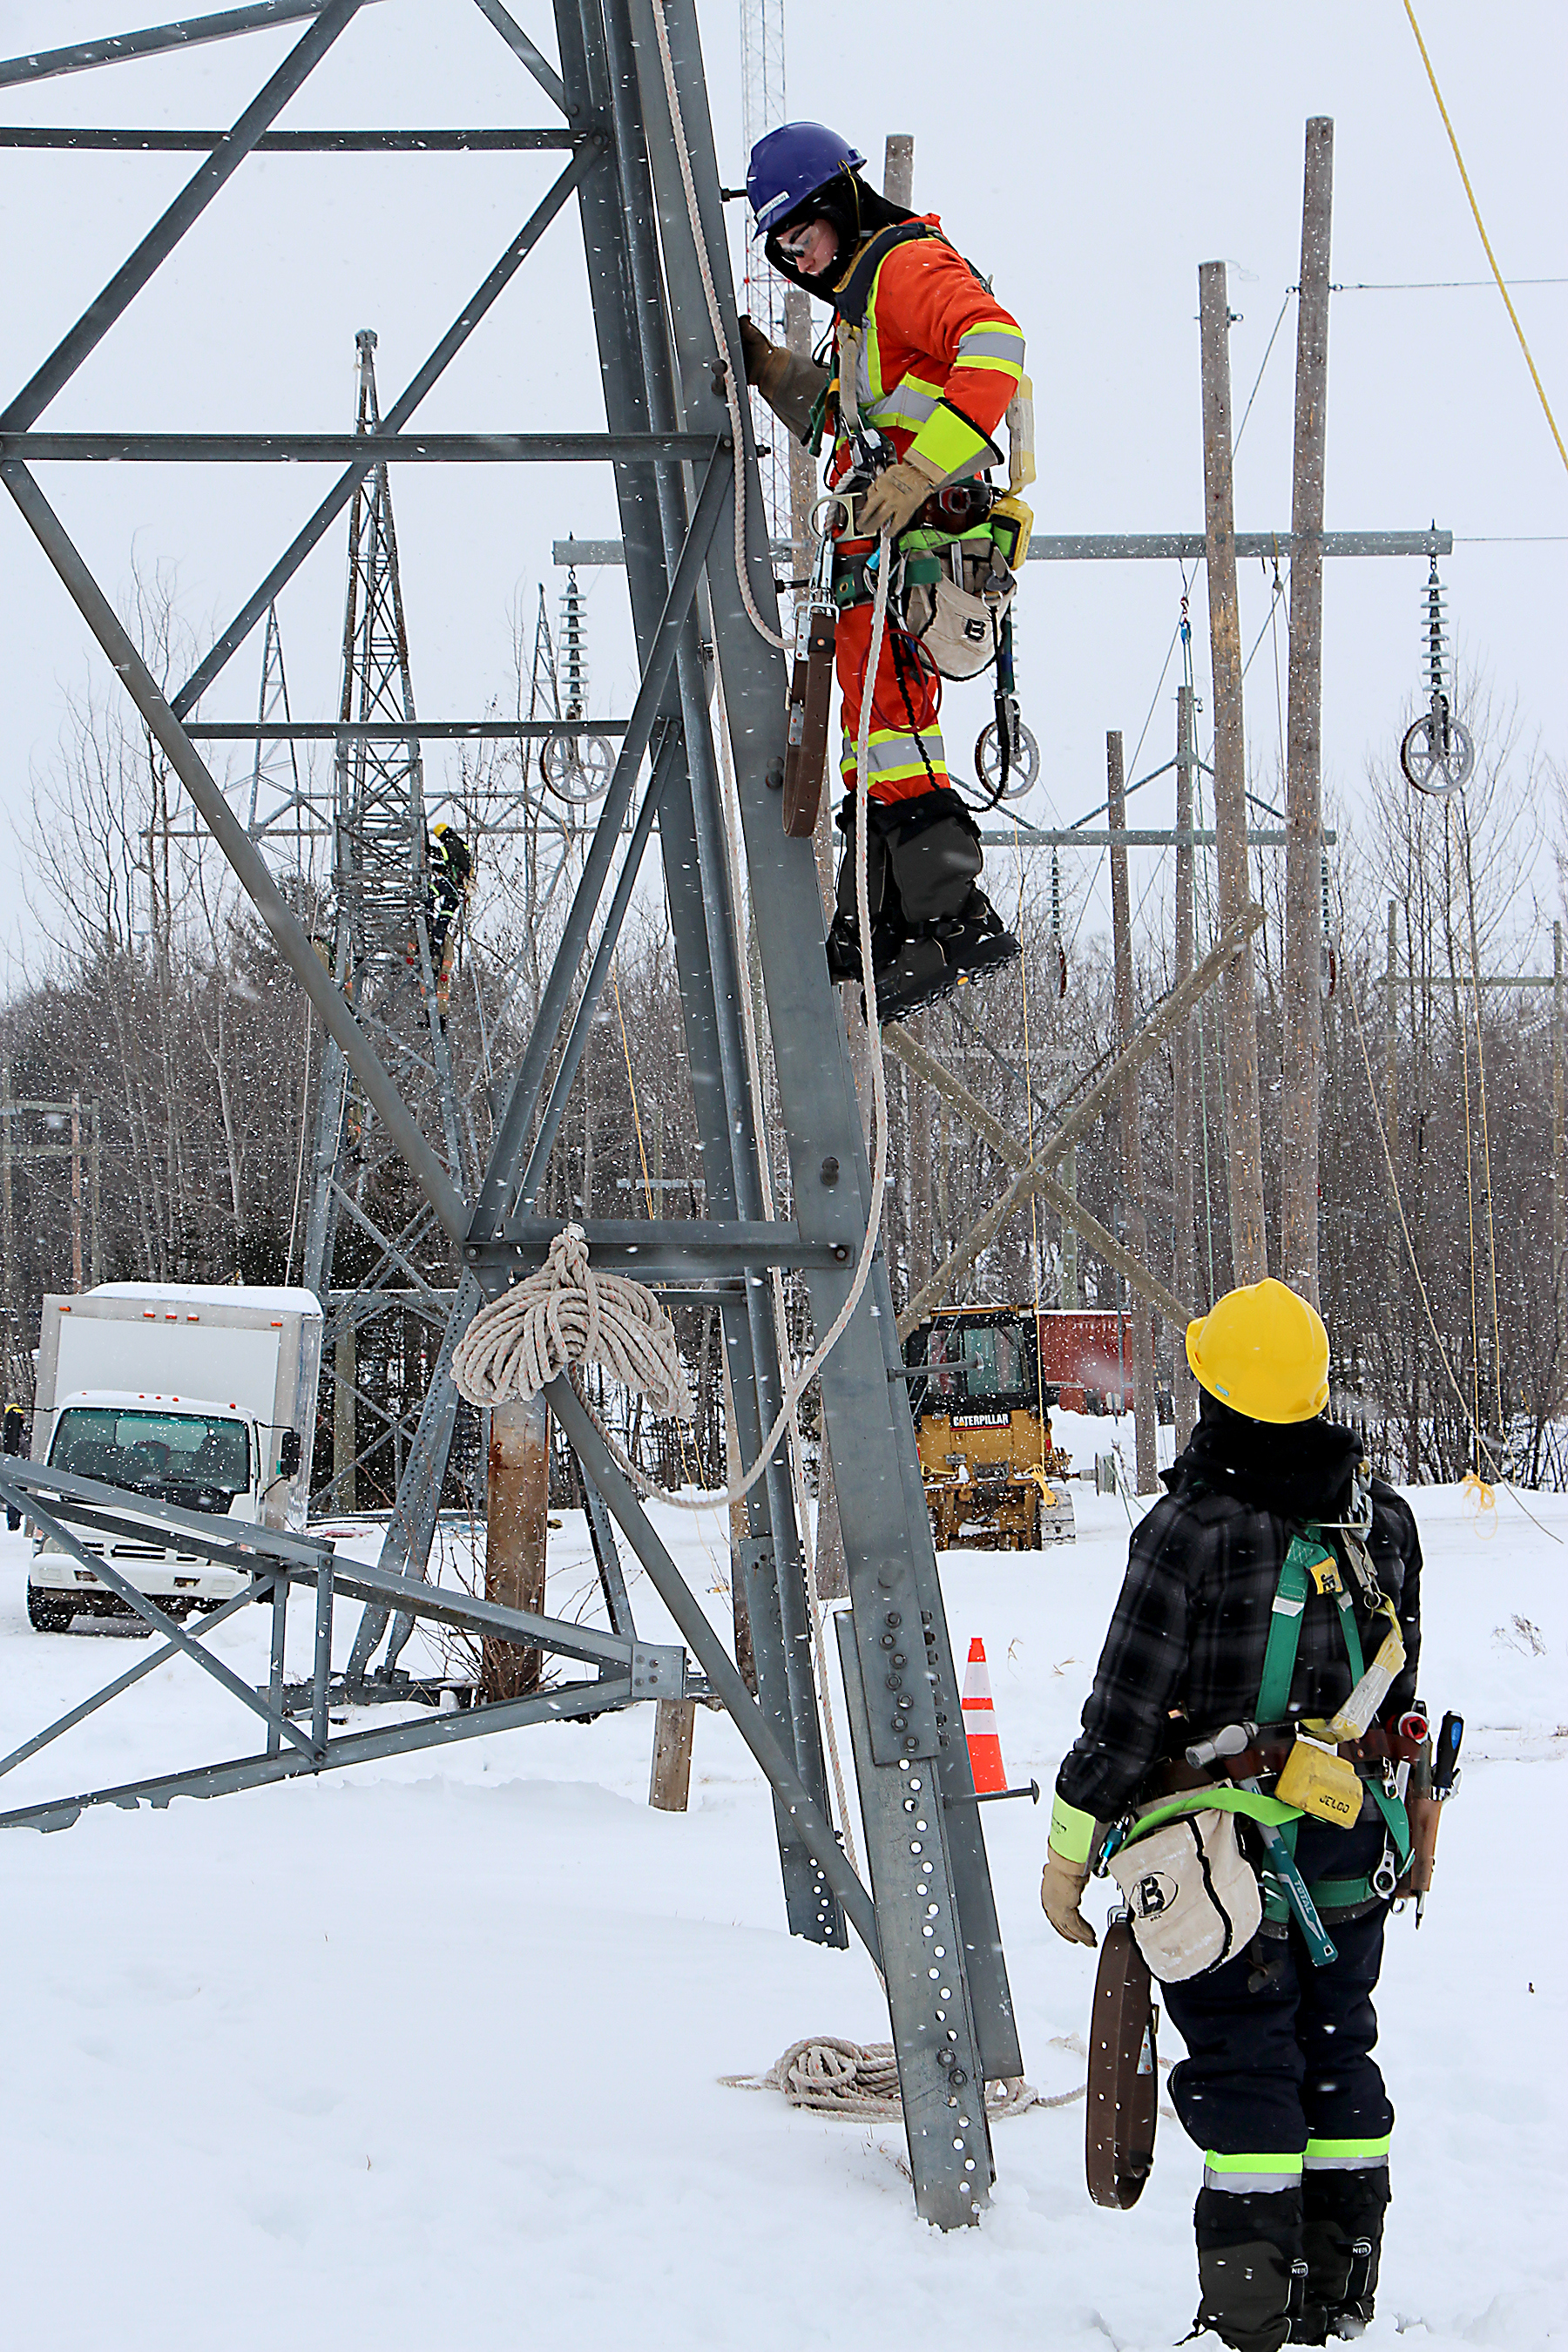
(1190, 1630)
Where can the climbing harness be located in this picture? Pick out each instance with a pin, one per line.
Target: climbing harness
(1319, 1784)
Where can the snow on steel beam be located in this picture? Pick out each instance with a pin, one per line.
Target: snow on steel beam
(186, 33)
(338, 448)
(76, 137)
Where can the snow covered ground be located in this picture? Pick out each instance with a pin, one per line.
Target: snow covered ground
(428, 2052)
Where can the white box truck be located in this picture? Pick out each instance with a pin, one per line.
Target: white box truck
(201, 1395)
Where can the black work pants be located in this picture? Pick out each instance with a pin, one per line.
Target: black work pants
(1280, 2074)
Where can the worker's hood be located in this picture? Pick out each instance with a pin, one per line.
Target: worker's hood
(1301, 1469)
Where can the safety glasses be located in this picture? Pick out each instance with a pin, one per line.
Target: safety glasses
(792, 243)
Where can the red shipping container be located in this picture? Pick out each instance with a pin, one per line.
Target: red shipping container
(1087, 1354)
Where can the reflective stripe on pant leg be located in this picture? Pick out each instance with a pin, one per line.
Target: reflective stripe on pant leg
(1257, 2172)
(897, 764)
(1346, 2155)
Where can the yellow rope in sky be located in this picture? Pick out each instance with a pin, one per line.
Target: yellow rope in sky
(1496, 273)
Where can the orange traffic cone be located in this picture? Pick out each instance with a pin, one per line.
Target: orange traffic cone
(980, 1724)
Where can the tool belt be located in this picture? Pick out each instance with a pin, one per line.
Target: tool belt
(1271, 1752)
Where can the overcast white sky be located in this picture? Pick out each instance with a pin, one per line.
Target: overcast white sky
(1090, 159)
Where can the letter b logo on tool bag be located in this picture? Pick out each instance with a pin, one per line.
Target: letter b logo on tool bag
(1155, 1892)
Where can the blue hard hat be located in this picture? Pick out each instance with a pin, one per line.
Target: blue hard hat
(791, 163)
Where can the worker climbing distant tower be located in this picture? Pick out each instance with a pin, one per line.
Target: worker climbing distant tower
(1232, 1702)
(926, 365)
(451, 873)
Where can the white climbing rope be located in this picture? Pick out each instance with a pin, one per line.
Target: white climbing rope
(506, 1343)
(711, 294)
(732, 836)
(568, 1314)
(859, 2081)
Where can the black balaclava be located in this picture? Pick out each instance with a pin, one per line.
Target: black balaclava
(856, 211)
(1301, 1469)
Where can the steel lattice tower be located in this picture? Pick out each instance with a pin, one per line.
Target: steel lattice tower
(631, 119)
(381, 955)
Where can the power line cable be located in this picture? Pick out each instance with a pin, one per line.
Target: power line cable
(1480, 224)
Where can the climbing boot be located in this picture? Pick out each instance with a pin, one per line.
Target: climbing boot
(1252, 2273)
(977, 942)
(1343, 2240)
(916, 975)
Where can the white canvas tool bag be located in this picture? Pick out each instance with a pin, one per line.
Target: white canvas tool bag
(1194, 1896)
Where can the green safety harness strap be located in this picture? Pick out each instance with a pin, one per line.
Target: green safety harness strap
(1308, 1562)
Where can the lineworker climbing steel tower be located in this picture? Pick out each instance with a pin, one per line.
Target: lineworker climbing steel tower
(927, 363)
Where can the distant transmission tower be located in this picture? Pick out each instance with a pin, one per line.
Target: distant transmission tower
(763, 110)
(276, 795)
(381, 959)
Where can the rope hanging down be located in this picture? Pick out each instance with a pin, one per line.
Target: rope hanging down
(509, 1349)
(710, 296)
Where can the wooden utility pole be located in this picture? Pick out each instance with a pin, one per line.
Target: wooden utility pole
(1391, 1089)
(1135, 1225)
(516, 1513)
(898, 168)
(345, 1434)
(1303, 1016)
(76, 1192)
(669, 1780)
(1557, 1115)
(1070, 1294)
(1183, 1282)
(1243, 1128)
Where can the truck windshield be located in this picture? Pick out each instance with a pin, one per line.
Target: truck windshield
(198, 1460)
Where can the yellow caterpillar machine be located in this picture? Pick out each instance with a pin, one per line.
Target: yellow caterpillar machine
(993, 1480)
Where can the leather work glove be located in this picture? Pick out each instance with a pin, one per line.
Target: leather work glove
(895, 497)
(755, 351)
(787, 381)
(1061, 1891)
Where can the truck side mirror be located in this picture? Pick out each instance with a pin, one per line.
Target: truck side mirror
(291, 1452)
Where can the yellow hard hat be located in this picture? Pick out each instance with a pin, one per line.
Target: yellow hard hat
(1264, 1352)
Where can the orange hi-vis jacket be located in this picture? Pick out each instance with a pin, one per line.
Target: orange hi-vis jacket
(934, 365)
(936, 362)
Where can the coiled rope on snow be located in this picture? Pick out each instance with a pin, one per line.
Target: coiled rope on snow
(859, 2081)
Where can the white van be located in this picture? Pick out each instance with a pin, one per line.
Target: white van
(201, 1396)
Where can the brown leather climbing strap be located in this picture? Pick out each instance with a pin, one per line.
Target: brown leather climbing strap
(1123, 2073)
